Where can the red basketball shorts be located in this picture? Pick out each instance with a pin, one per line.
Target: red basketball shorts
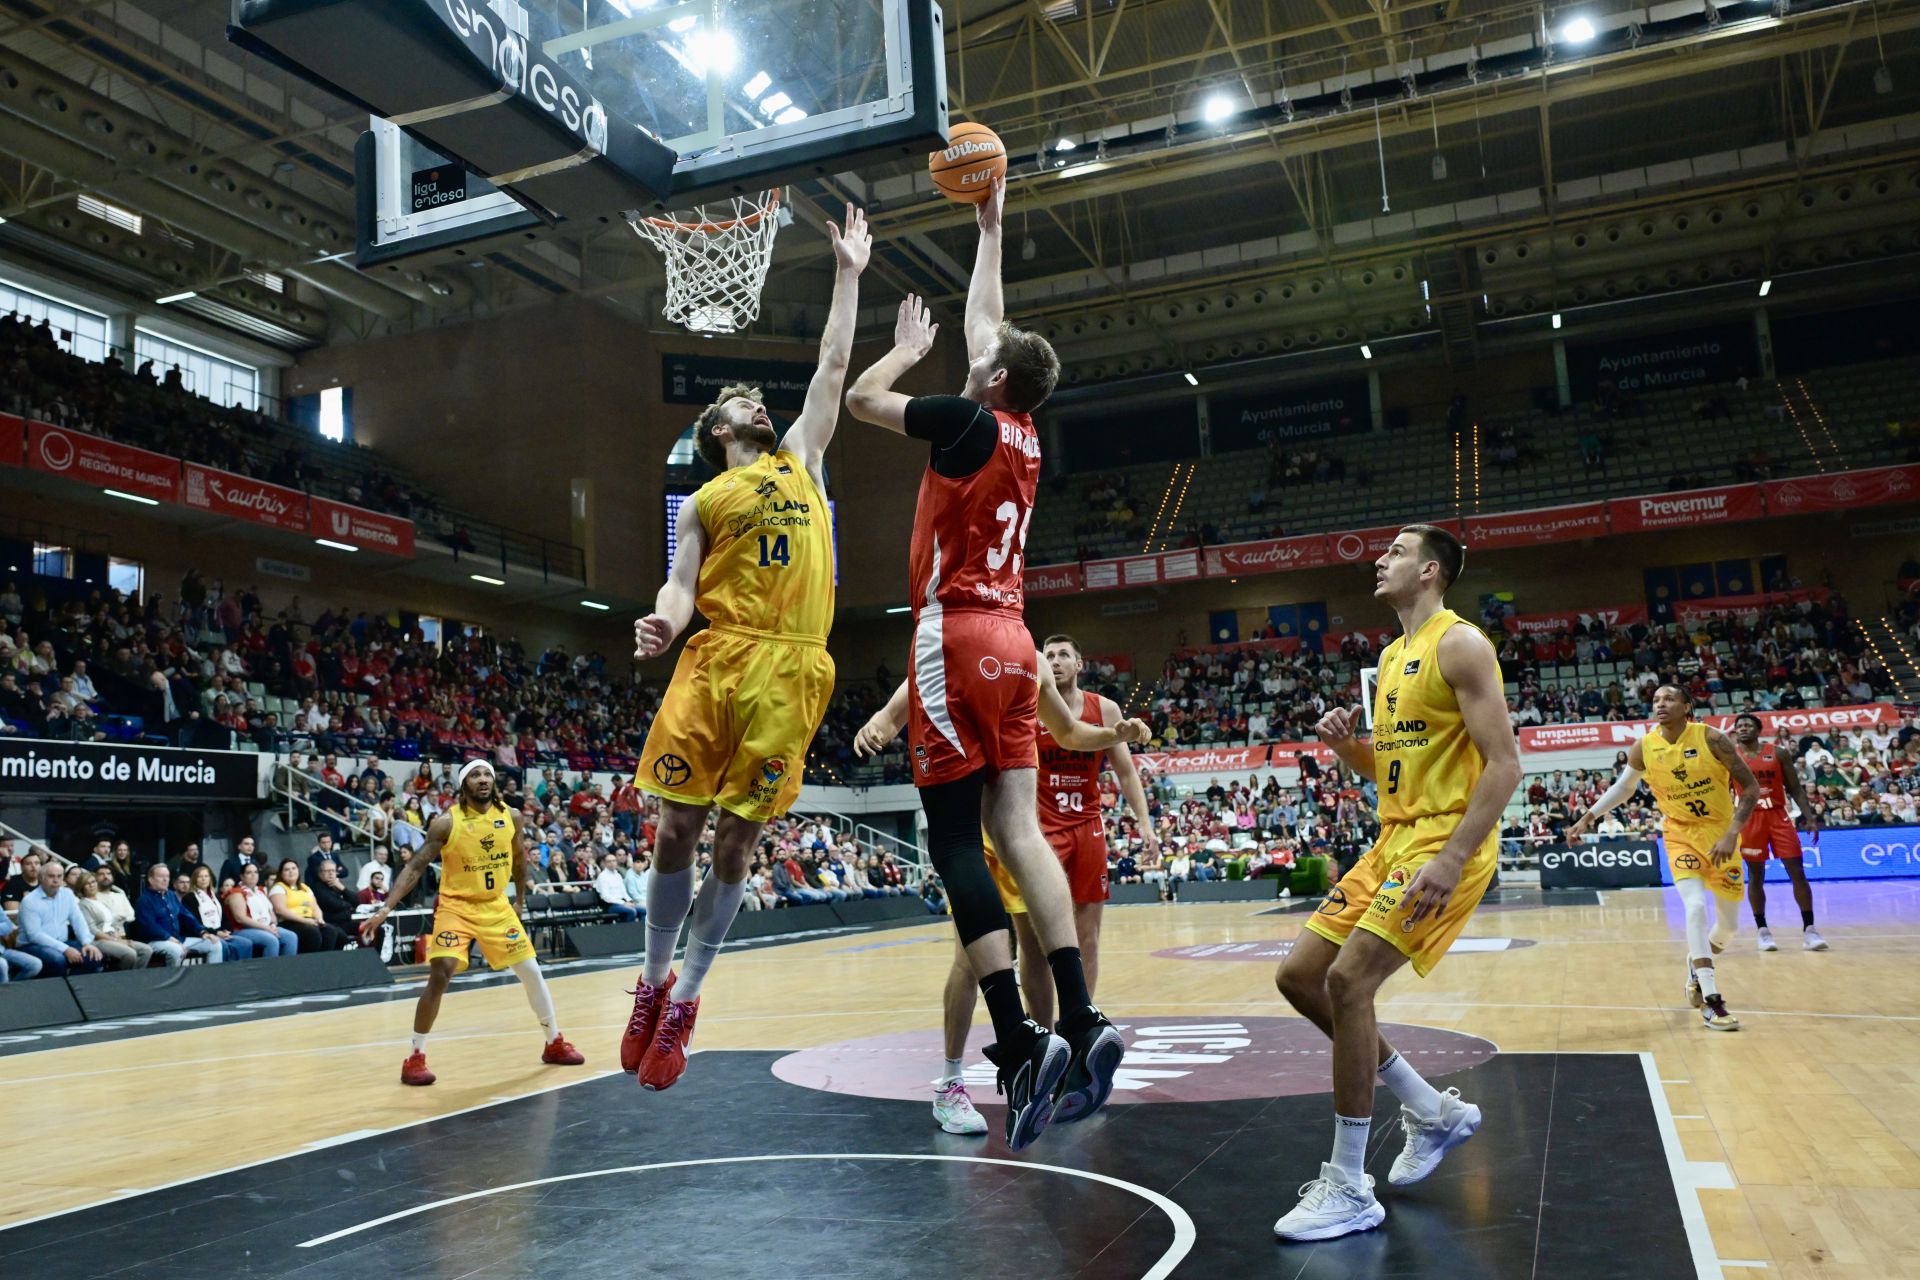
(1769, 830)
(1082, 849)
(974, 695)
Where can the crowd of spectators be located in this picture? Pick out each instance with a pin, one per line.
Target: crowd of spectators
(1245, 694)
(151, 408)
(1110, 513)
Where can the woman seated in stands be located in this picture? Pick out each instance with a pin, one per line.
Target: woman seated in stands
(109, 934)
(295, 908)
(198, 899)
(250, 915)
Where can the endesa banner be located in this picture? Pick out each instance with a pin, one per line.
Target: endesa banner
(102, 463)
(1624, 733)
(1727, 504)
(1843, 490)
(1527, 624)
(1847, 853)
(225, 494)
(359, 527)
(1536, 528)
(13, 440)
(1602, 864)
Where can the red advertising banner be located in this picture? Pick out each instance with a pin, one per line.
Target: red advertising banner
(1625, 615)
(1361, 544)
(1874, 487)
(1743, 606)
(1053, 579)
(225, 494)
(359, 527)
(13, 440)
(1620, 734)
(103, 463)
(1240, 559)
(1283, 755)
(1535, 528)
(1686, 510)
(1205, 760)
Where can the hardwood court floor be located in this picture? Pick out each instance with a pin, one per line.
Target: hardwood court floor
(1796, 1134)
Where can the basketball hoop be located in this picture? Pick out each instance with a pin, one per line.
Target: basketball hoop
(716, 258)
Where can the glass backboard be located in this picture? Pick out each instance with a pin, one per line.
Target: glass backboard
(747, 93)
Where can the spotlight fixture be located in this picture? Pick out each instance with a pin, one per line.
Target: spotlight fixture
(1577, 30)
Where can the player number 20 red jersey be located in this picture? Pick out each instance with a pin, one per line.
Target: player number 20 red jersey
(970, 534)
(1069, 780)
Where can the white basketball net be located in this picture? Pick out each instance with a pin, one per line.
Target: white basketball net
(716, 258)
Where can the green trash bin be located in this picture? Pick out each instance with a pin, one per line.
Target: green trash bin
(1309, 878)
(1236, 868)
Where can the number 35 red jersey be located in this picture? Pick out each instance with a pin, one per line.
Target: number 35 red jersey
(1069, 782)
(970, 533)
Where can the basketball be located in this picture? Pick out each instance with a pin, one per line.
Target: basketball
(973, 158)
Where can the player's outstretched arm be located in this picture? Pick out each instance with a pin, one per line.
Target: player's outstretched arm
(1623, 786)
(986, 306)
(1467, 663)
(813, 429)
(1073, 733)
(416, 866)
(673, 606)
(883, 726)
(1336, 730)
(872, 397)
(1749, 787)
(1128, 776)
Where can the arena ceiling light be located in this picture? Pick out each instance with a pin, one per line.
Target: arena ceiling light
(1216, 108)
(901, 608)
(1766, 287)
(1366, 352)
(337, 546)
(130, 497)
(596, 606)
(1065, 144)
(1192, 380)
(176, 297)
(492, 582)
(1556, 319)
(1577, 30)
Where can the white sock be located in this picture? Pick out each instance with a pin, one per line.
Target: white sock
(1409, 1086)
(419, 1042)
(528, 971)
(1350, 1147)
(669, 896)
(955, 1071)
(1705, 978)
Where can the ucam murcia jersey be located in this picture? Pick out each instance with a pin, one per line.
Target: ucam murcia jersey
(1069, 784)
(1767, 769)
(970, 533)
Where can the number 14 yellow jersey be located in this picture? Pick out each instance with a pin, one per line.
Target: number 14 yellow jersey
(769, 562)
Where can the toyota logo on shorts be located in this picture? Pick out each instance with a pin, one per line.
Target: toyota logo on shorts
(990, 667)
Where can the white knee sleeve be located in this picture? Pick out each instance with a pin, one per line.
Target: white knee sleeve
(1694, 894)
(1727, 919)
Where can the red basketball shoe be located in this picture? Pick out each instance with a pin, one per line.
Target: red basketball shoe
(559, 1053)
(666, 1056)
(414, 1070)
(648, 1002)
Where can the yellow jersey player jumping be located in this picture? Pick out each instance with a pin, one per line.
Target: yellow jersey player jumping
(480, 846)
(1444, 762)
(1690, 768)
(755, 556)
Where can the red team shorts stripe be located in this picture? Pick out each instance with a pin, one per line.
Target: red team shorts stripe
(1769, 830)
(1082, 849)
(974, 695)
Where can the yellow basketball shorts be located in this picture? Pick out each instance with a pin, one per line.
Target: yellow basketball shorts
(459, 923)
(1689, 857)
(1003, 881)
(1372, 895)
(736, 723)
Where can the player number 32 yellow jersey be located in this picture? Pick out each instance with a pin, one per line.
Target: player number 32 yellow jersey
(1691, 786)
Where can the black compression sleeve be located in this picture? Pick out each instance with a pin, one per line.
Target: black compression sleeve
(958, 853)
(961, 432)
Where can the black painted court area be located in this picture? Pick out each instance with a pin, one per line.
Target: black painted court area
(1567, 1178)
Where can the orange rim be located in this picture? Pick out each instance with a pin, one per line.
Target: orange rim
(710, 228)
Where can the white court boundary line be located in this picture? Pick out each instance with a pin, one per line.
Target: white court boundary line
(1183, 1229)
(1689, 1177)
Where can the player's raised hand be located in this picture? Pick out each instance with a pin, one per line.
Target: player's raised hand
(1336, 726)
(989, 211)
(651, 636)
(915, 330)
(852, 247)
